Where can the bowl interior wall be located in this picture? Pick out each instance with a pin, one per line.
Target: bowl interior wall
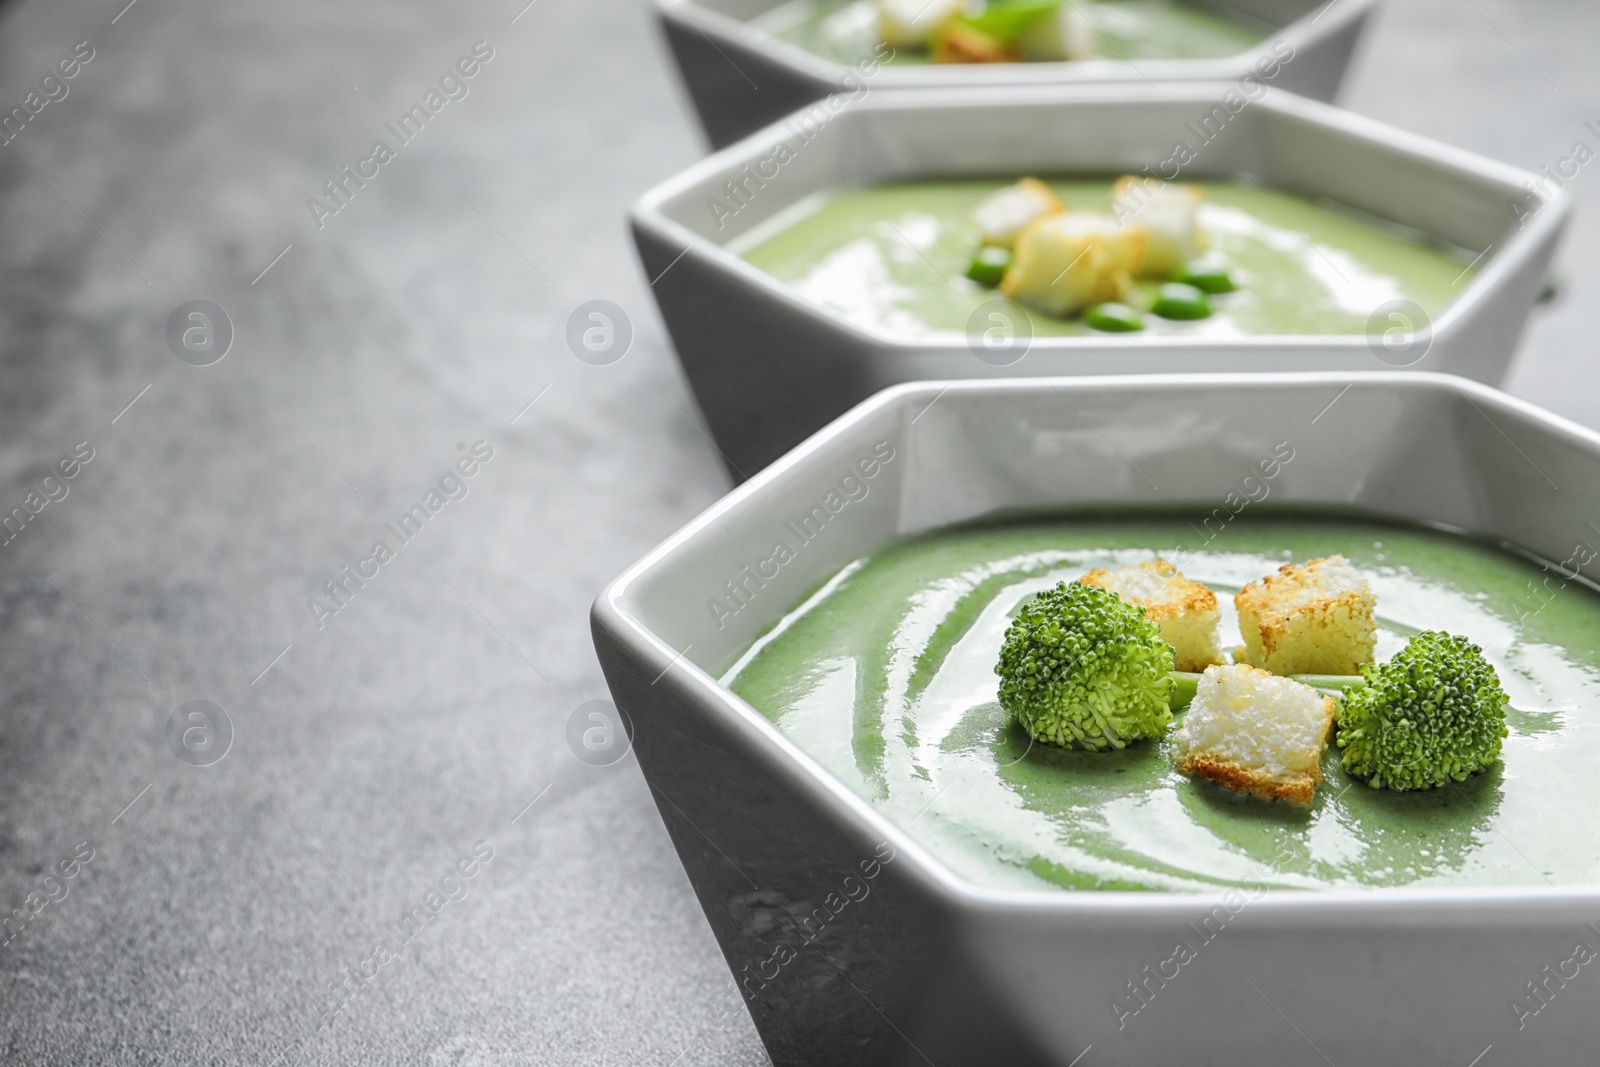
(1408, 447)
(832, 143)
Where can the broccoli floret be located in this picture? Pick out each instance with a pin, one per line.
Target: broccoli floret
(1433, 714)
(1083, 668)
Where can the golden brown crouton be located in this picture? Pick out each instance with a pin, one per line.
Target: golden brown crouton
(1186, 611)
(1310, 618)
(1169, 212)
(1063, 263)
(909, 23)
(1253, 732)
(954, 42)
(1006, 212)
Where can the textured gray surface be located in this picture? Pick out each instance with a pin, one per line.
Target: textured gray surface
(424, 716)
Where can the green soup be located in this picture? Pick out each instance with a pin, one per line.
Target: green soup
(847, 32)
(893, 258)
(885, 676)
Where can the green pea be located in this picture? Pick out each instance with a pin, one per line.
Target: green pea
(1208, 275)
(1114, 318)
(989, 265)
(1176, 300)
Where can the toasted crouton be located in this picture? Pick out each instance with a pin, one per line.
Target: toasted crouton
(957, 42)
(1254, 732)
(1068, 34)
(1186, 611)
(1006, 212)
(1309, 618)
(910, 23)
(1064, 263)
(1169, 212)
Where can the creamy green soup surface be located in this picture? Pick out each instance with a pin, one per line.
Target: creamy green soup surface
(894, 257)
(846, 31)
(885, 675)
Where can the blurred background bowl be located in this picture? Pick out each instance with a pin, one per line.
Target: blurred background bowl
(741, 77)
(769, 365)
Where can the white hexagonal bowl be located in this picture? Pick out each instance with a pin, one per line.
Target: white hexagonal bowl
(923, 967)
(769, 365)
(741, 78)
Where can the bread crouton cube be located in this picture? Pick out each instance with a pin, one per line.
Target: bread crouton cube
(958, 42)
(1254, 732)
(1064, 263)
(909, 23)
(1068, 34)
(1185, 610)
(1169, 213)
(1309, 618)
(1005, 213)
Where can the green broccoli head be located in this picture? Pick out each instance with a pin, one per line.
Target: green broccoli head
(1433, 714)
(1083, 668)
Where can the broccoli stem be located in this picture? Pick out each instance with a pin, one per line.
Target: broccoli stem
(1338, 685)
(1184, 685)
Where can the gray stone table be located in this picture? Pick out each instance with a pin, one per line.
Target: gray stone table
(373, 750)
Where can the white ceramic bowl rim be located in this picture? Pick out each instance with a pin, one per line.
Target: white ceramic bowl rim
(1322, 21)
